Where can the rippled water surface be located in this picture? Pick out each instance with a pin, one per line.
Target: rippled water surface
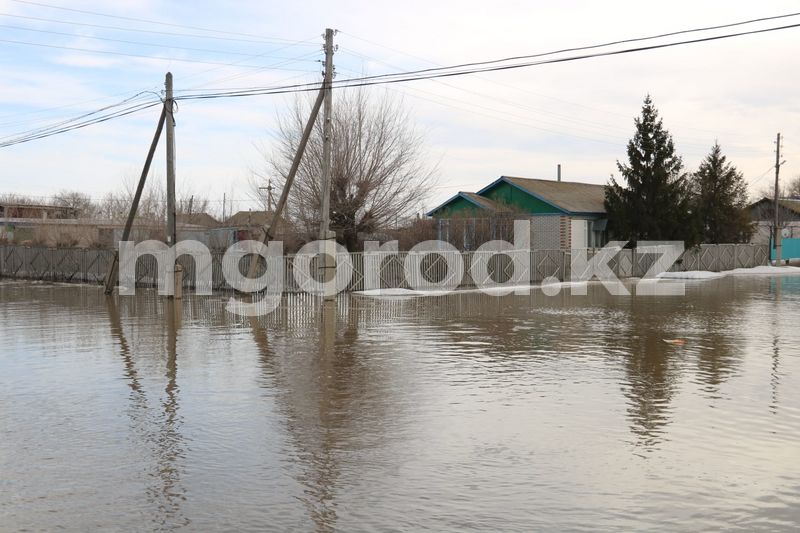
(451, 413)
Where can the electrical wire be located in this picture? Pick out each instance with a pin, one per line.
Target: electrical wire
(441, 72)
(140, 43)
(146, 21)
(64, 106)
(154, 32)
(78, 123)
(125, 54)
(627, 41)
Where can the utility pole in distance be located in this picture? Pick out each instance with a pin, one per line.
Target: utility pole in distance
(325, 235)
(169, 102)
(776, 234)
(268, 188)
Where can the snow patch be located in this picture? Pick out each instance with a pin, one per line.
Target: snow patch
(692, 274)
(766, 270)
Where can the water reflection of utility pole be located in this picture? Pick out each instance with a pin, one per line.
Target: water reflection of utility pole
(775, 379)
(165, 443)
(131, 374)
(328, 330)
(307, 388)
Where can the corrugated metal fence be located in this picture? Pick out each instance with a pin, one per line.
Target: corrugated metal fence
(360, 271)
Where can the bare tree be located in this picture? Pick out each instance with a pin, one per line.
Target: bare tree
(153, 203)
(793, 187)
(79, 203)
(379, 170)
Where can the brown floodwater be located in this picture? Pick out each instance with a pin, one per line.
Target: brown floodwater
(463, 412)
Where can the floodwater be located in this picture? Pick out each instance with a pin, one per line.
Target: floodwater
(452, 413)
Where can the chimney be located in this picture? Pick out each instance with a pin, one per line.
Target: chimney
(558, 175)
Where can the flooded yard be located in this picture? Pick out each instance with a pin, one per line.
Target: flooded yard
(464, 412)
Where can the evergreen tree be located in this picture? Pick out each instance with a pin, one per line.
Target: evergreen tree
(655, 205)
(720, 200)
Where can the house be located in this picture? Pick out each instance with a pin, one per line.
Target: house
(762, 212)
(563, 214)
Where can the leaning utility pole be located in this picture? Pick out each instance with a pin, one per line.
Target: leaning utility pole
(776, 234)
(325, 235)
(269, 230)
(111, 276)
(169, 102)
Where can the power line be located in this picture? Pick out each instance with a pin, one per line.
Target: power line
(146, 21)
(484, 66)
(77, 123)
(142, 56)
(156, 32)
(762, 176)
(443, 72)
(503, 101)
(251, 72)
(506, 116)
(56, 108)
(95, 112)
(139, 43)
(627, 41)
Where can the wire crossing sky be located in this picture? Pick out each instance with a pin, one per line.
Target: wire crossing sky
(511, 106)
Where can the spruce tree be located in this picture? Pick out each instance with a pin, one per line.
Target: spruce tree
(720, 200)
(655, 204)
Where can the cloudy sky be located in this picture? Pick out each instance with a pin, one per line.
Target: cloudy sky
(58, 63)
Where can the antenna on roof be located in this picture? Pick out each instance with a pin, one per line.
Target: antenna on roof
(558, 174)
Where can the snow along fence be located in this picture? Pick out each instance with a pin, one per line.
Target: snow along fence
(373, 270)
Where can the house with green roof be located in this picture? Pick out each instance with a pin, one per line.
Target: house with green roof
(563, 214)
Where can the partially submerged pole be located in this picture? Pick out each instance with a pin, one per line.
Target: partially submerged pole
(327, 237)
(776, 229)
(169, 105)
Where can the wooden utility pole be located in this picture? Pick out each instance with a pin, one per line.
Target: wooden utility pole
(169, 103)
(325, 235)
(776, 234)
(268, 188)
(111, 277)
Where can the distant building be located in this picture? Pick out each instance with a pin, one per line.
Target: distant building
(15, 210)
(198, 219)
(563, 214)
(762, 212)
(88, 233)
(249, 225)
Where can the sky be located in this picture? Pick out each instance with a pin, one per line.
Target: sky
(57, 64)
